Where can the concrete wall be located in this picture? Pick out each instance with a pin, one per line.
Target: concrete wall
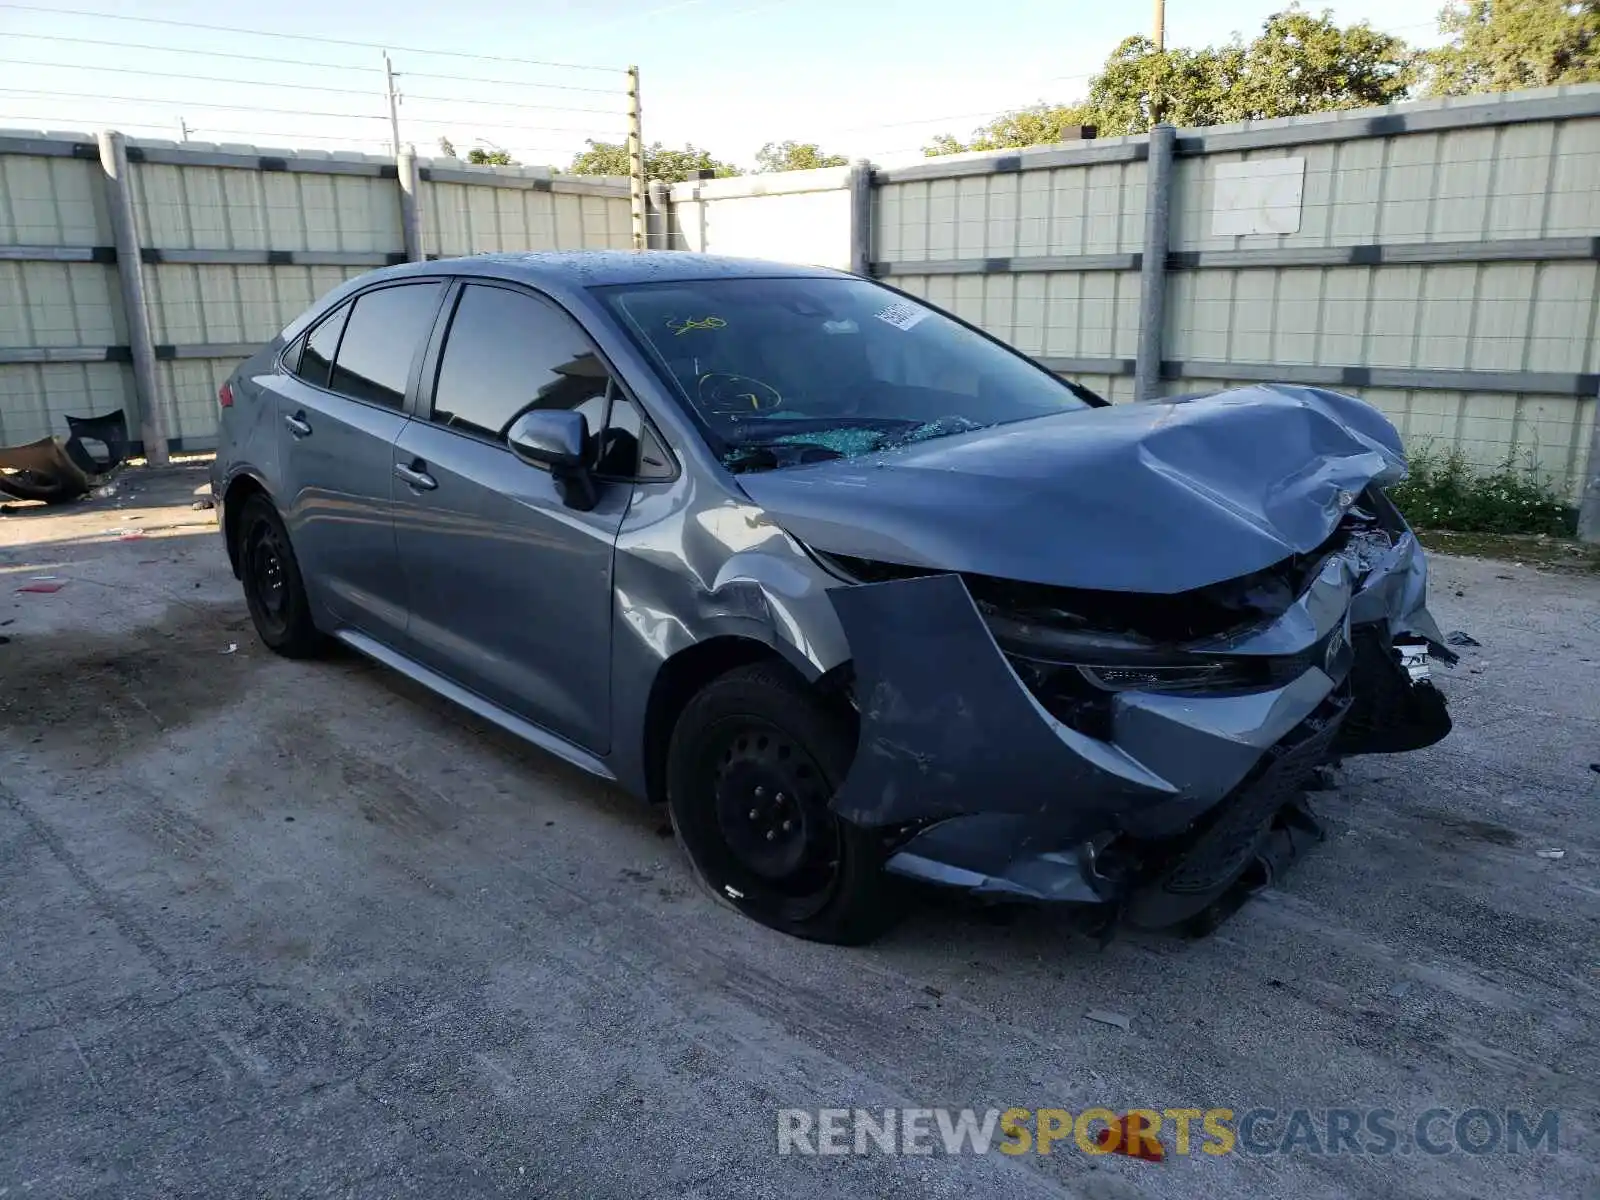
(796, 216)
(236, 242)
(1439, 258)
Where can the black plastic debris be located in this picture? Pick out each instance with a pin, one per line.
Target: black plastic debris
(1459, 638)
(55, 470)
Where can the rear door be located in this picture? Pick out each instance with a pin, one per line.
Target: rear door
(341, 411)
(510, 590)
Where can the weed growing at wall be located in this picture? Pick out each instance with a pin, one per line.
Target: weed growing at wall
(1445, 491)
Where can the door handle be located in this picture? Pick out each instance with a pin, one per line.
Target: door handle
(298, 425)
(415, 476)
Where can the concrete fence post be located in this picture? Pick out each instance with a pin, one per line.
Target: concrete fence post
(1153, 263)
(1589, 505)
(657, 216)
(861, 217)
(130, 276)
(410, 209)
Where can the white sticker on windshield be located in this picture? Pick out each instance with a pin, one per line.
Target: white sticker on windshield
(902, 315)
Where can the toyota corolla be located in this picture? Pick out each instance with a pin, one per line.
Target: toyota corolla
(860, 593)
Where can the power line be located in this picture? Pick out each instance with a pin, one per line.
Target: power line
(292, 112)
(79, 41)
(308, 87)
(284, 112)
(404, 95)
(559, 87)
(299, 37)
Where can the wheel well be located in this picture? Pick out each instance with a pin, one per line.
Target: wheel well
(676, 684)
(240, 490)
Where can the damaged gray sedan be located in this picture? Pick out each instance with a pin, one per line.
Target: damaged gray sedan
(859, 592)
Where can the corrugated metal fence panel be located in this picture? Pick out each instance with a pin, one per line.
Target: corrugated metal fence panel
(462, 218)
(196, 304)
(1466, 185)
(1095, 209)
(188, 391)
(35, 396)
(1509, 181)
(56, 202)
(226, 208)
(52, 202)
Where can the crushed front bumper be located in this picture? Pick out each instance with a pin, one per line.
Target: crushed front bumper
(978, 786)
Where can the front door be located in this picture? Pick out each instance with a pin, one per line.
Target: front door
(341, 412)
(509, 589)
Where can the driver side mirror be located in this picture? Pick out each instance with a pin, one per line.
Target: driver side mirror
(558, 440)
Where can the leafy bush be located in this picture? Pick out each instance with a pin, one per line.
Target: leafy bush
(1445, 491)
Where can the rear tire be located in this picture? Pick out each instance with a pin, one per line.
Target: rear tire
(754, 761)
(273, 588)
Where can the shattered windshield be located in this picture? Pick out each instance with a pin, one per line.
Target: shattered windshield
(786, 371)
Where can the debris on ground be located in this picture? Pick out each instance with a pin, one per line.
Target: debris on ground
(203, 505)
(45, 587)
(232, 646)
(1109, 1018)
(1458, 637)
(54, 470)
(1551, 853)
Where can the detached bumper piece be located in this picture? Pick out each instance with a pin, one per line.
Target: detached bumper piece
(56, 470)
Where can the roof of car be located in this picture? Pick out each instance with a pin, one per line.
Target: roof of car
(595, 268)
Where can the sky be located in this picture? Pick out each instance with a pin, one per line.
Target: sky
(872, 78)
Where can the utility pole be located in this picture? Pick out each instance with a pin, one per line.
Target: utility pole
(1159, 37)
(183, 129)
(394, 105)
(635, 159)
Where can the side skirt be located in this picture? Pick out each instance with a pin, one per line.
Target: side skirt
(474, 703)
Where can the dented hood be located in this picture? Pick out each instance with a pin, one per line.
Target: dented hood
(1155, 497)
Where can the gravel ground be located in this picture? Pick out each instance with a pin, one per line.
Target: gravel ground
(274, 928)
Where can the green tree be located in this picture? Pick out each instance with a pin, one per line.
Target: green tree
(1036, 125)
(1503, 45)
(490, 158)
(447, 147)
(611, 158)
(1300, 63)
(795, 156)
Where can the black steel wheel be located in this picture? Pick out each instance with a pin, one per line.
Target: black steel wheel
(755, 759)
(273, 588)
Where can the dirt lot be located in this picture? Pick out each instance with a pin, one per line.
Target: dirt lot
(284, 929)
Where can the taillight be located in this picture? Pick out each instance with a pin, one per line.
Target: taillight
(225, 395)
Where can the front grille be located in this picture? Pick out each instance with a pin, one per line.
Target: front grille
(1222, 851)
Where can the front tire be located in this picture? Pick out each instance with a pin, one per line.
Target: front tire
(273, 587)
(755, 760)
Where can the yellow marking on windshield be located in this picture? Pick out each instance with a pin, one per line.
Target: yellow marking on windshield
(679, 328)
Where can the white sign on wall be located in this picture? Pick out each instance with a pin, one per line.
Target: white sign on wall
(1260, 196)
